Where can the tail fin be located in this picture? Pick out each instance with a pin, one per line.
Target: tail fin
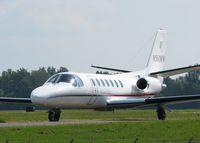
(157, 58)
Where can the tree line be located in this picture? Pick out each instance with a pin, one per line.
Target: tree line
(21, 82)
(183, 85)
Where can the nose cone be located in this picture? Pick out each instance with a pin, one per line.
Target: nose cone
(43, 94)
(38, 96)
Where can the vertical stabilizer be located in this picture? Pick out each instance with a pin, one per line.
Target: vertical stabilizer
(157, 58)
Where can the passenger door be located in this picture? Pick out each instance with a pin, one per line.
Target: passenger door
(94, 95)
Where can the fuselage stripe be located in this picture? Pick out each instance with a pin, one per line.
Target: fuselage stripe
(116, 95)
(133, 95)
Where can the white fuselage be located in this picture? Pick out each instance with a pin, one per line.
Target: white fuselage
(93, 91)
(77, 90)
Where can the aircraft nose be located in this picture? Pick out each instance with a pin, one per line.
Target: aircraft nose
(43, 94)
(38, 96)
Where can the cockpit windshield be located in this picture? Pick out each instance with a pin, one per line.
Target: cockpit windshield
(66, 78)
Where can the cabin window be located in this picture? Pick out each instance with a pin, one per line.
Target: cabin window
(116, 83)
(98, 82)
(111, 83)
(102, 82)
(93, 82)
(121, 83)
(107, 83)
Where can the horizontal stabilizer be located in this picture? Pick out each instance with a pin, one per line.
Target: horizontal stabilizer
(111, 69)
(15, 100)
(177, 71)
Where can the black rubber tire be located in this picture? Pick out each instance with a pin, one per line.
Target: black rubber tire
(161, 113)
(54, 115)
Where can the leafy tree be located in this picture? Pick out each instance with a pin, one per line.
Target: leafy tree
(183, 85)
(51, 71)
(62, 69)
(20, 83)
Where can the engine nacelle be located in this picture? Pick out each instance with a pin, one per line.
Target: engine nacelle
(149, 84)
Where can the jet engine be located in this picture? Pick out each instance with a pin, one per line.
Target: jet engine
(142, 83)
(150, 84)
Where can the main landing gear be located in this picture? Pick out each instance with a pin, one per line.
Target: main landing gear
(54, 115)
(161, 113)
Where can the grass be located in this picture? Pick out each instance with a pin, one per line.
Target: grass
(144, 115)
(151, 132)
(180, 127)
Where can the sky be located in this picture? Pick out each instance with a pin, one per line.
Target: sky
(112, 33)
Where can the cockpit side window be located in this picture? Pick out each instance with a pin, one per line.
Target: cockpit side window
(79, 81)
(53, 79)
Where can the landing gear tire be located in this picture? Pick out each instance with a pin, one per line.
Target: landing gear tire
(161, 113)
(54, 115)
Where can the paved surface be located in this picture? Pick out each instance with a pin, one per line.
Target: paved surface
(62, 122)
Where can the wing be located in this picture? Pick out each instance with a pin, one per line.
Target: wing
(15, 100)
(172, 72)
(111, 69)
(128, 103)
(165, 73)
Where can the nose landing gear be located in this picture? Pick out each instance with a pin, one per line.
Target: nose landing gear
(161, 113)
(54, 115)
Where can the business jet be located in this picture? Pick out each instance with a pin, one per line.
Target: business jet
(70, 90)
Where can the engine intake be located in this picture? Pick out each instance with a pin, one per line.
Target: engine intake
(150, 85)
(142, 83)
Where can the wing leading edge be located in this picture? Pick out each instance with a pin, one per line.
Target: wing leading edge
(128, 103)
(172, 72)
(165, 73)
(15, 100)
